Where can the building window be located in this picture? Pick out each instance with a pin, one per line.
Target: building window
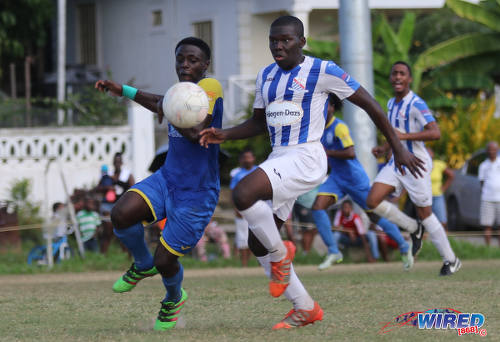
(203, 30)
(87, 33)
(157, 18)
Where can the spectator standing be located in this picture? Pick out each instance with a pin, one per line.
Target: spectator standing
(122, 177)
(439, 172)
(489, 176)
(88, 221)
(106, 188)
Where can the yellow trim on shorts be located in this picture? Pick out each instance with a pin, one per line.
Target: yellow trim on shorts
(170, 249)
(331, 194)
(148, 202)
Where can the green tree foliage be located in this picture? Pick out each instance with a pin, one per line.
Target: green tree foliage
(28, 212)
(23, 27)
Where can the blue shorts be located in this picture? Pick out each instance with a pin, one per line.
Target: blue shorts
(188, 212)
(439, 208)
(338, 189)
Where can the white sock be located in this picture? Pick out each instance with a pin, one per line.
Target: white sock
(261, 221)
(295, 292)
(439, 238)
(393, 214)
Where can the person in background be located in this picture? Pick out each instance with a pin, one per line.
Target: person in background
(122, 177)
(213, 232)
(247, 165)
(353, 232)
(303, 216)
(107, 189)
(88, 221)
(439, 172)
(489, 176)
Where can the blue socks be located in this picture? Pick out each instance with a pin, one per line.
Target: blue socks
(393, 231)
(325, 230)
(133, 238)
(173, 286)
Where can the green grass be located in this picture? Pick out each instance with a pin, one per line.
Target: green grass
(116, 259)
(234, 305)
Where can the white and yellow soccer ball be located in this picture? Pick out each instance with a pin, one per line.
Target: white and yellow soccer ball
(185, 105)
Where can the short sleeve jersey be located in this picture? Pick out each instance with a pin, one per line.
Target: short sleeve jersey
(295, 101)
(337, 137)
(352, 222)
(190, 166)
(410, 115)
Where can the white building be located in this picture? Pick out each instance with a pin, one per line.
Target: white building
(135, 39)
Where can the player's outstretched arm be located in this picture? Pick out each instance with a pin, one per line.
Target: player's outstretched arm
(256, 125)
(147, 100)
(402, 157)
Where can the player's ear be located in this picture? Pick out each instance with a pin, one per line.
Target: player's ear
(207, 64)
(302, 41)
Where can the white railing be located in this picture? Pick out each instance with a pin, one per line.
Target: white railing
(41, 154)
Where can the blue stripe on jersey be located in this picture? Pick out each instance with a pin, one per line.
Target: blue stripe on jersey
(264, 77)
(312, 79)
(285, 130)
(390, 107)
(407, 124)
(325, 109)
(400, 104)
(271, 95)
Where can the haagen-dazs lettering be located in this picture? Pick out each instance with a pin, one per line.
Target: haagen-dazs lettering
(283, 113)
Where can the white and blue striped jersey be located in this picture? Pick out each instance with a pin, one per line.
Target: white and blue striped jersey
(410, 115)
(296, 100)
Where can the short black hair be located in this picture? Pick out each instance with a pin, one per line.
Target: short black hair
(286, 20)
(402, 63)
(56, 206)
(196, 42)
(245, 150)
(347, 201)
(335, 101)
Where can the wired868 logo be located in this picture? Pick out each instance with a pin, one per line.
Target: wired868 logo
(446, 318)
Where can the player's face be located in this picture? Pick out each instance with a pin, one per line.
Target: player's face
(286, 46)
(400, 79)
(190, 63)
(247, 160)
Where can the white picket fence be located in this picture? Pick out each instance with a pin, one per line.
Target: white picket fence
(40, 154)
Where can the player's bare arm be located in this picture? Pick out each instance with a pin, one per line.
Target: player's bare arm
(143, 98)
(402, 157)
(346, 153)
(254, 126)
(430, 132)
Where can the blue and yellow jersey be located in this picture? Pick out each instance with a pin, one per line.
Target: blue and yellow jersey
(336, 136)
(190, 166)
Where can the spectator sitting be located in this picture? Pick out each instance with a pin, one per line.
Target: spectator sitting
(302, 214)
(216, 233)
(59, 221)
(353, 232)
(88, 221)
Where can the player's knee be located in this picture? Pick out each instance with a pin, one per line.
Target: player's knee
(243, 197)
(119, 218)
(166, 263)
(255, 246)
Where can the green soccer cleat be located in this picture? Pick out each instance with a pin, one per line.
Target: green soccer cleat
(128, 281)
(169, 313)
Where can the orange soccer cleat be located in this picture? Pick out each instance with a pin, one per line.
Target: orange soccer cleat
(280, 271)
(300, 318)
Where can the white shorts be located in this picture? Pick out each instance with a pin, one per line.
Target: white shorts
(489, 213)
(419, 189)
(241, 236)
(293, 171)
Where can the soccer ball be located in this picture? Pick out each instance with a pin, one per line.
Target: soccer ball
(185, 105)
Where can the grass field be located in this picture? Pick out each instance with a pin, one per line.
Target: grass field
(233, 304)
